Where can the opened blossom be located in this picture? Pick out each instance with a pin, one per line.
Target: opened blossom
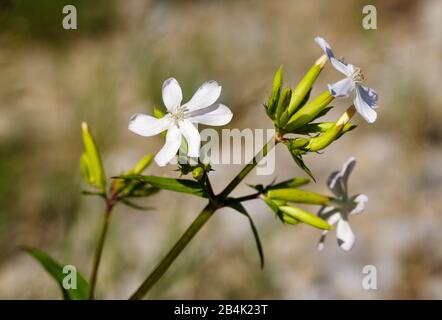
(365, 99)
(181, 120)
(342, 207)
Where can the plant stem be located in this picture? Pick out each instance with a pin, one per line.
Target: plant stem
(214, 204)
(99, 248)
(179, 246)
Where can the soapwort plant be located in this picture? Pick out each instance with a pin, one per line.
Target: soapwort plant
(296, 119)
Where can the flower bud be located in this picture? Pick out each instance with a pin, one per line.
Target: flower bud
(197, 173)
(292, 183)
(92, 167)
(305, 85)
(306, 217)
(142, 164)
(309, 111)
(276, 92)
(298, 196)
(282, 105)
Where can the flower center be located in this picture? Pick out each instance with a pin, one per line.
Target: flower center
(178, 114)
(357, 75)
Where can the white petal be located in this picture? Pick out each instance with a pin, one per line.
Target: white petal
(369, 96)
(334, 183)
(342, 67)
(192, 136)
(170, 148)
(325, 47)
(345, 236)
(148, 126)
(205, 96)
(363, 106)
(322, 240)
(334, 218)
(347, 169)
(217, 115)
(359, 201)
(342, 88)
(172, 94)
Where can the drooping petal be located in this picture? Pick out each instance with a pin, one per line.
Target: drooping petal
(148, 126)
(215, 115)
(322, 240)
(342, 88)
(359, 204)
(205, 96)
(170, 148)
(192, 136)
(172, 94)
(342, 67)
(325, 47)
(365, 101)
(345, 235)
(334, 183)
(346, 170)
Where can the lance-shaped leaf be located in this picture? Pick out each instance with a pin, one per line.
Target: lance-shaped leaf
(276, 92)
(298, 196)
(240, 208)
(291, 183)
(91, 165)
(282, 104)
(178, 185)
(295, 147)
(310, 111)
(304, 87)
(56, 271)
(313, 128)
(306, 217)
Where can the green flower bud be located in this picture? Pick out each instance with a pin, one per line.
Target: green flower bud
(142, 164)
(90, 161)
(309, 111)
(197, 173)
(276, 92)
(298, 196)
(305, 85)
(282, 104)
(306, 217)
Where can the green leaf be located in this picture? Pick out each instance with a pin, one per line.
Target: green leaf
(282, 104)
(240, 208)
(306, 217)
(178, 185)
(297, 157)
(291, 183)
(298, 196)
(56, 271)
(136, 206)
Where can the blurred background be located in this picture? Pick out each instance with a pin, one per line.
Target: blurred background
(114, 65)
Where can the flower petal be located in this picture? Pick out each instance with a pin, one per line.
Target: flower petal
(334, 183)
(205, 96)
(148, 126)
(342, 67)
(170, 148)
(192, 136)
(359, 204)
(345, 236)
(325, 47)
(365, 101)
(347, 169)
(342, 88)
(322, 240)
(172, 94)
(215, 115)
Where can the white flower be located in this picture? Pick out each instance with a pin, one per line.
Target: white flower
(365, 98)
(342, 207)
(181, 119)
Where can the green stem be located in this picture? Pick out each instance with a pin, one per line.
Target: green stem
(179, 246)
(99, 248)
(218, 202)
